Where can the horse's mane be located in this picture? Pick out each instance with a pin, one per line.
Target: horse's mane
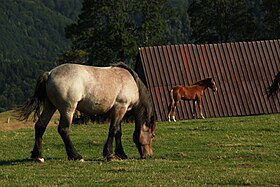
(143, 110)
(202, 82)
(274, 87)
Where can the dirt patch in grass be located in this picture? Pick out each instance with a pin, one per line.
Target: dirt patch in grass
(245, 165)
(9, 121)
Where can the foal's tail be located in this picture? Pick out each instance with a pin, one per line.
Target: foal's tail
(34, 104)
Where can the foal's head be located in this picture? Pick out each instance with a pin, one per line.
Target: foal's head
(212, 85)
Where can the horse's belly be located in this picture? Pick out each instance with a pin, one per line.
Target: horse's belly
(94, 107)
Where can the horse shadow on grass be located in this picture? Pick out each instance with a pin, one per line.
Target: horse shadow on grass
(30, 160)
(21, 161)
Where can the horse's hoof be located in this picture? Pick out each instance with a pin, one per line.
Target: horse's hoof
(82, 160)
(112, 158)
(121, 156)
(41, 160)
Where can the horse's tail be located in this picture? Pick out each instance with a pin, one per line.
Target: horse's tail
(274, 87)
(34, 104)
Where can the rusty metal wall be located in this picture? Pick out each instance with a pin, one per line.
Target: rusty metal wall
(242, 71)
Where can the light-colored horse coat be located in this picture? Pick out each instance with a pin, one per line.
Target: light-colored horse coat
(92, 90)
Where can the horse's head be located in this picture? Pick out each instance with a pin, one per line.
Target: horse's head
(143, 138)
(213, 85)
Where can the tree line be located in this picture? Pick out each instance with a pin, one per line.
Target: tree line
(110, 31)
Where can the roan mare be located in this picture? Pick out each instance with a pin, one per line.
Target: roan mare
(274, 87)
(193, 92)
(92, 90)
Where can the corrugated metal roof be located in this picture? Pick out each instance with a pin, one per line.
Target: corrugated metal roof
(242, 71)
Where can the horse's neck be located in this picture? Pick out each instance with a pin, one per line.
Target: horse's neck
(139, 119)
(202, 85)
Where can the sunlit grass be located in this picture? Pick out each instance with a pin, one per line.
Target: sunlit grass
(237, 151)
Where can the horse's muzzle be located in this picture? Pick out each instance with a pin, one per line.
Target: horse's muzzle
(145, 151)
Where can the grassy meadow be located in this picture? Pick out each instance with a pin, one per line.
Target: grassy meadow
(236, 151)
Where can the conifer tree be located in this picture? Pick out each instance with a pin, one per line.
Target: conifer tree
(271, 18)
(110, 31)
(221, 21)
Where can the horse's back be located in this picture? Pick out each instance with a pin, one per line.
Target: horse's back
(186, 92)
(91, 89)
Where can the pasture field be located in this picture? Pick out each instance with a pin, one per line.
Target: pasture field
(233, 151)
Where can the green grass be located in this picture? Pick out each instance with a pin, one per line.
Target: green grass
(237, 151)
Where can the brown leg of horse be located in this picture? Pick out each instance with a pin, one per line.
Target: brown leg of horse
(63, 129)
(200, 108)
(119, 148)
(173, 112)
(115, 131)
(194, 109)
(170, 112)
(40, 128)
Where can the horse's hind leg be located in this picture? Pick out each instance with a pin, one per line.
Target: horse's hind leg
(173, 111)
(63, 129)
(169, 113)
(40, 128)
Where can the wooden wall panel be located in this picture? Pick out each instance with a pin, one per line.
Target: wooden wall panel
(242, 71)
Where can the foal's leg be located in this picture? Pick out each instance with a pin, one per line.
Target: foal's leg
(115, 131)
(200, 108)
(173, 113)
(63, 129)
(40, 128)
(171, 110)
(194, 109)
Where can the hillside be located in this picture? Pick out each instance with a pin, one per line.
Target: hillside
(39, 23)
(32, 35)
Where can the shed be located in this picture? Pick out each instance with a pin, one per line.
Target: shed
(242, 71)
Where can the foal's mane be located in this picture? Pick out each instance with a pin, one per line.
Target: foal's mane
(143, 110)
(203, 82)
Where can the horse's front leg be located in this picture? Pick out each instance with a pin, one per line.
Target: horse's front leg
(200, 108)
(115, 131)
(119, 148)
(63, 130)
(108, 147)
(194, 109)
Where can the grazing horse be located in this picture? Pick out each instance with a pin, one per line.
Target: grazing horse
(92, 90)
(274, 87)
(193, 92)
